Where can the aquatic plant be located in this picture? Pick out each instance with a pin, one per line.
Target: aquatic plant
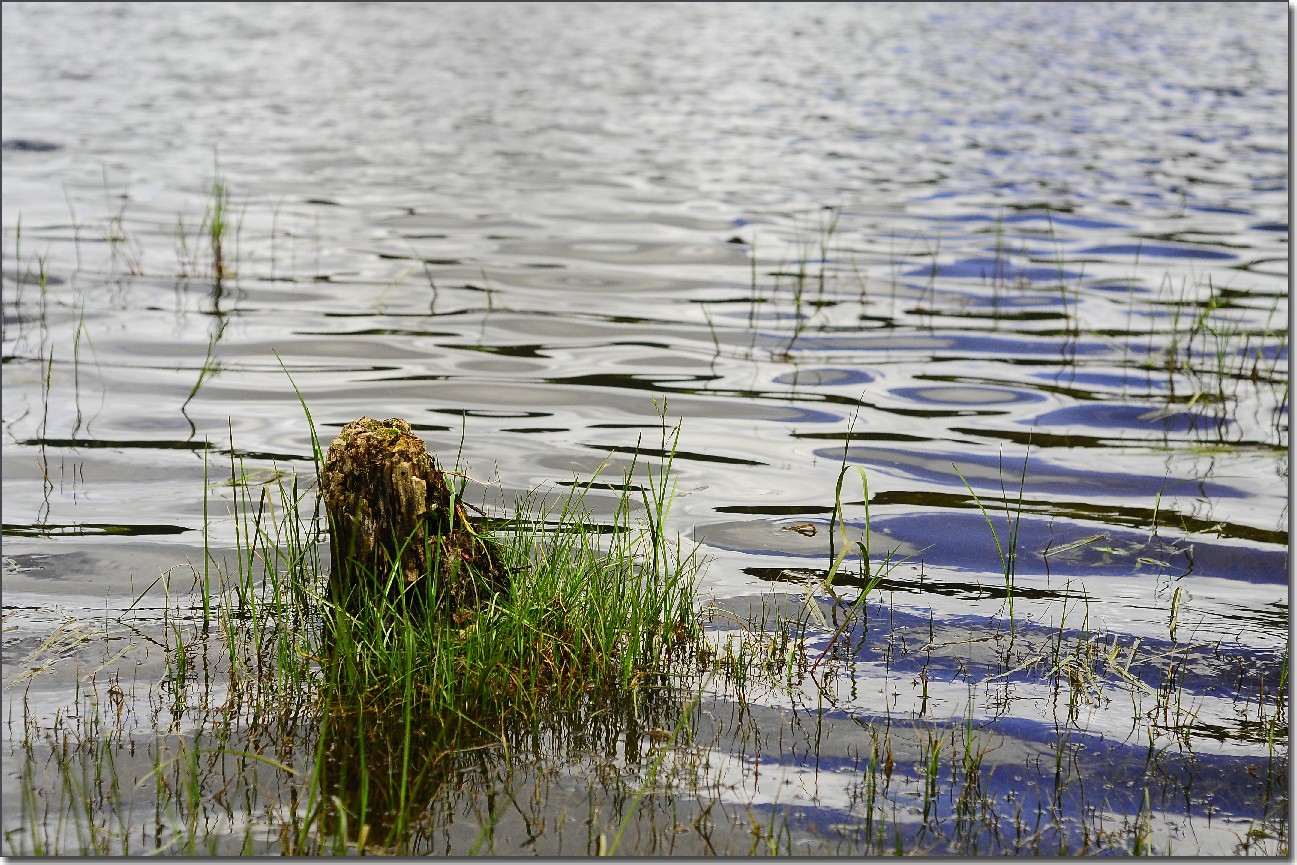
(124, 248)
(215, 222)
(1006, 549)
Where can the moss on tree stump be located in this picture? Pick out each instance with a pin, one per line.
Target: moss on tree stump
(394, 522)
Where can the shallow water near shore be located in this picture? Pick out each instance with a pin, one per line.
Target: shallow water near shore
(1025, 267)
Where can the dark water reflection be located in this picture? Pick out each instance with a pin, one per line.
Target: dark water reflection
(926, 241)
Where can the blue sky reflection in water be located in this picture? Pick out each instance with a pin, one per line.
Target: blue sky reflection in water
(929, 241)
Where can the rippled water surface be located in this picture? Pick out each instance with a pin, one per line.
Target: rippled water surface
(1031, 259)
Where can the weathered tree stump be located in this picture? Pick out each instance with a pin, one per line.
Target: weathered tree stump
(395, 523)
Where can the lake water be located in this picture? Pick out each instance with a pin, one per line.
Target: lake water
(932, 242)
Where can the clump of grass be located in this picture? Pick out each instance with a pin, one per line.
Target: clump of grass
(216, 225)
(1219, 356)
(595, 616)
(579, 619)
(207, 256)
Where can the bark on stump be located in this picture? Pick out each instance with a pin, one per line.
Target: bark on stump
(394, 522)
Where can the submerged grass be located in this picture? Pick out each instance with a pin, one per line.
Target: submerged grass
(934, 784)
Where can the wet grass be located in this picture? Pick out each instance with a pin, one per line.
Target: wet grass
(929, 783)
(960, 785)
(205, 254)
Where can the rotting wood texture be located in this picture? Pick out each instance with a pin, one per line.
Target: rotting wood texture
(394, 521)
